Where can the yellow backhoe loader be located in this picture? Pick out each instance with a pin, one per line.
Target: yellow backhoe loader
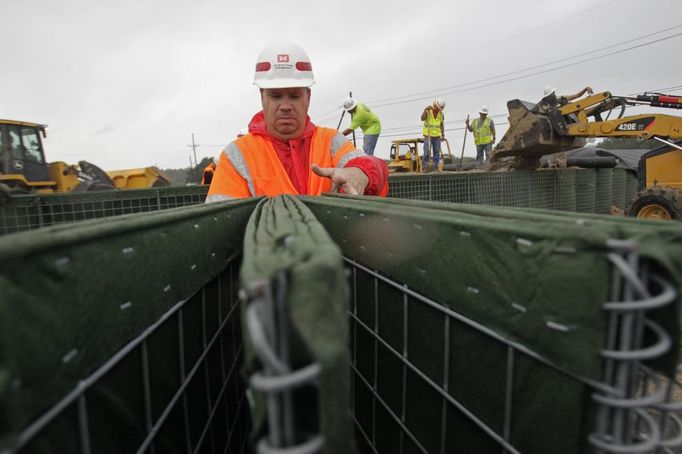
(536, 130)
(23, 167)
(405, 155)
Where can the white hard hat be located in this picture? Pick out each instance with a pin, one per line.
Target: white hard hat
(484, 109)
(244, 131)
(283, 66)
(549, 90)
(349, 104)
(439, 103)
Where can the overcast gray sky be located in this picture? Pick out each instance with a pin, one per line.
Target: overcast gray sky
(125, 83)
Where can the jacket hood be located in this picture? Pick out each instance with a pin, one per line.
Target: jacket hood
(257, 126)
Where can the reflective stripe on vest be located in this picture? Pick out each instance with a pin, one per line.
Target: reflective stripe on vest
(482, 135)
(217, 198)
(432, 124)
(255, 159)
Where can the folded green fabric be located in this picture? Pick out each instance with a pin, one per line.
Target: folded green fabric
(283, 238)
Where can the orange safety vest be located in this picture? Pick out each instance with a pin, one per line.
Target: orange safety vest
(208, 173)
(250, 166)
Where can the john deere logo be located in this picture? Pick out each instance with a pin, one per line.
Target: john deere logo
(283, 58)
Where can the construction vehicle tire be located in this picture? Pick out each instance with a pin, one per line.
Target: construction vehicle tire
(657, 203)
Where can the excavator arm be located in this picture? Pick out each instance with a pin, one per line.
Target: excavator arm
(535, 130)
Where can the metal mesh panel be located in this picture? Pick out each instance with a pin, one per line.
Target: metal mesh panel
(565, 194)
(410, 187)
(585, 190)
(604, 191)
(174, 389)
(19, 214)
(532, 189)
(618, 185)
(631, 187)
(29, 212)
(404, 403)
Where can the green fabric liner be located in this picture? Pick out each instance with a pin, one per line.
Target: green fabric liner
(62, 290)
(417, 244)
(283, 236)
(413, 252)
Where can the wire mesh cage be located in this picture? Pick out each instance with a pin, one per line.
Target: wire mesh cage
(34, 211)
(455, 328)
(582, 190)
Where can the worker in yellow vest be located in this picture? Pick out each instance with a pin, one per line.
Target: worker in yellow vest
(434, 131)
(484, 134)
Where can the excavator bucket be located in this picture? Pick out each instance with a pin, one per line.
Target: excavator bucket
(533, 134)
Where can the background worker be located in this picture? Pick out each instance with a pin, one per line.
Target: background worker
(551, 101)
(207, 176)
(284, 152)
(434, 131)
(483, 128)
(364, 118)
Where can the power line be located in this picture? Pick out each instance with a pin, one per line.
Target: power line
(448, 90)
(530, 68)
(478, 49)
(568, 65)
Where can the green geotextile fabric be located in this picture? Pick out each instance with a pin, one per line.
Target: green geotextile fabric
(71, 296)
(283, 236)
(480, 265)
(659, 241)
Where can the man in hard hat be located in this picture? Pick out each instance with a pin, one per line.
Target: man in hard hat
(284, 152)
(434, 131)
(551, 101)
(483, 128)
(363, 117)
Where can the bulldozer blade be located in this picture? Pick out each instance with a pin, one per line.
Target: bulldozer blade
(531, 134)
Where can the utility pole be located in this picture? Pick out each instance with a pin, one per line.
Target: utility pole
(194, 148)
(350, 95)
(190, 161)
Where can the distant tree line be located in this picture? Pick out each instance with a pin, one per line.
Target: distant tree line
(188, 175)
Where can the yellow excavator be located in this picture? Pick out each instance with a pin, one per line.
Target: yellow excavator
(23, 168)
(540, 129)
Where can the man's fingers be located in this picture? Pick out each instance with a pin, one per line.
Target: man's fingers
(322, 171)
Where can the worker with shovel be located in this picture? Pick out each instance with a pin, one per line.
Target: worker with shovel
(363, 117)
(434, 132)
(483, 128)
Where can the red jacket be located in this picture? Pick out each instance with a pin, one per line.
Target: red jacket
(295, 154)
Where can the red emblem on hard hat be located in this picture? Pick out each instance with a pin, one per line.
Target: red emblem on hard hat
(283, 58)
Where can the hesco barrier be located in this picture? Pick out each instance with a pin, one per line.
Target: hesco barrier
(123, 335)
(472, 329)
(28, 212)
(581, 190)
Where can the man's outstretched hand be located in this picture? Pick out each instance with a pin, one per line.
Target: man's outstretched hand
(351, 180)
